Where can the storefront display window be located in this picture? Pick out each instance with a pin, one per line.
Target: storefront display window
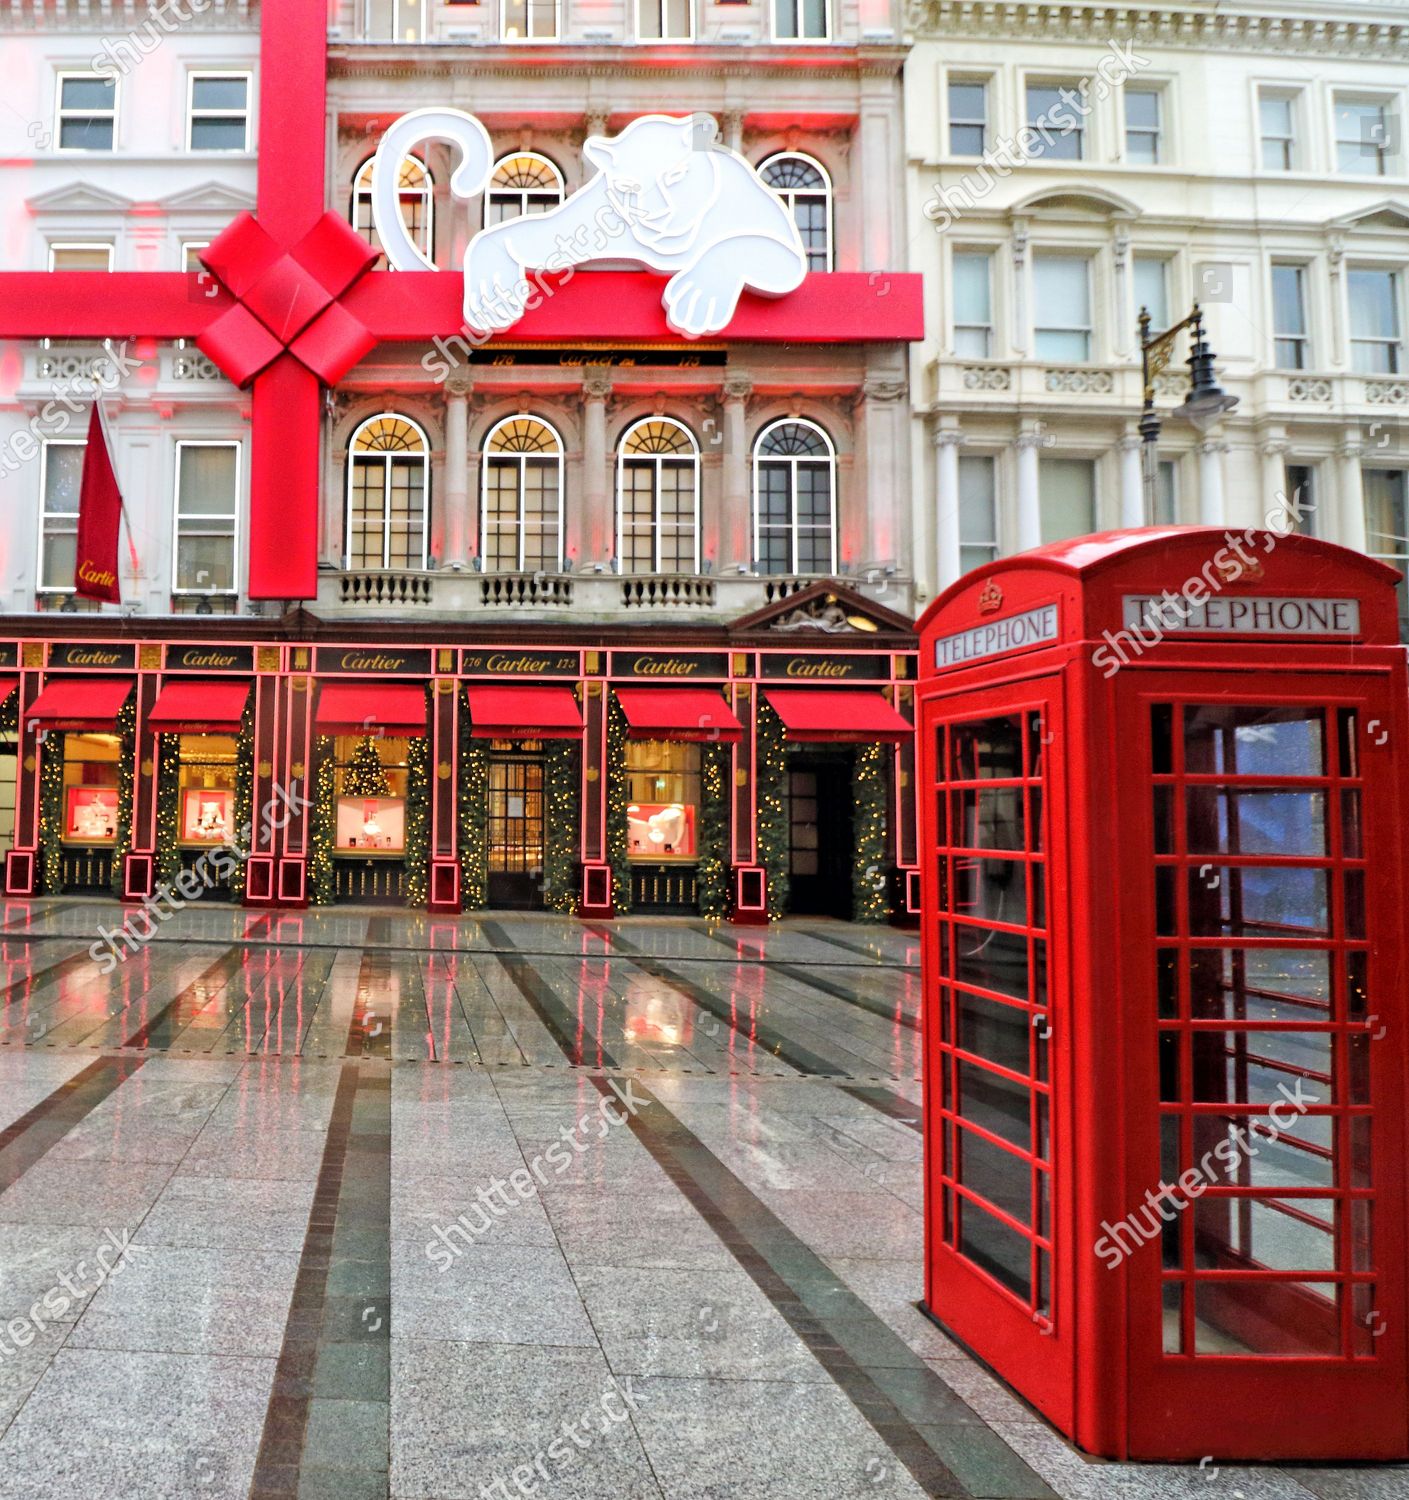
(369, 783)
(663, 792)
(90, 788)
(207, 782)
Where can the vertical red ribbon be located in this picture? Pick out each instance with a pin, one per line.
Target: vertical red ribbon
(99, 518)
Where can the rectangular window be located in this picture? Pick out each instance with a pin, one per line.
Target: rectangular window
(206, 783)
(1062, 284)
(370, 778)
(90, 789)
(1364, 136)
(218, 112)
(665, 20)
(1301, 497)
(61, 471)
(191, 254)
(80, 257)
(1152, 289)
(968, 117)
(87, 113)
(663, 797)
(973, 304)
(1054, 112)
(1387, 525)
(530, 20)
(1166, 494)
(800, 20)
(1067, 489)
(207, 515)
(1276, 113)
(1289, 317)
(978, 512)
(1143, 126)
(1375, 347)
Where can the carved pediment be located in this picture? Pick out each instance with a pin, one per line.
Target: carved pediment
(825, 608)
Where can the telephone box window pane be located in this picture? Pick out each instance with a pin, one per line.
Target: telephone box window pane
(988, 818)
(1288, 1319)
(1039, 896)
(1254, 1067)
(1164, 820)
(1174, 1317)
(1349, 741)
(1352, 846)
(1367, 1322)
(999, 1176)
(1034, 819)
(986, 750)
(1252, 1151)
(1355, 904)
(993, 1031)
(992, 960)
(1362, 1240)
(1260, 984)
(992, 1246)
(1225, 821)
(1360, 1157)
(1358, 1051)
(1263, 1234)
(990, 890)
(1246, 740)
(1170, 1067)
(1162, 739)
(1357, 985)
(1266, 901)
(1166, 906)
(995, 1104)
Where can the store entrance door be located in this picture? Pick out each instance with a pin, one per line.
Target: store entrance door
(819, 836)
(516, 830)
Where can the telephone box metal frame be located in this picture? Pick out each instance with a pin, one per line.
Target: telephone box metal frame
(1111, 984)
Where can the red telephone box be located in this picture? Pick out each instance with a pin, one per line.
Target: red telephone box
(1166, 1042)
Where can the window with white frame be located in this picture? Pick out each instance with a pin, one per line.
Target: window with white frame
(794, 487)
(191, 254)
(1062, 286)
(1387, 525)
(658, 498)
(1054, 111)
(80, 255)
(968, 116)
(1365, 135)
(1151, 278)
(218, 113)
(1277, 123)
(973, 304)
(87, 112)
(1289, 326)
(1302, 496)
(1067, 493)
(207, 518)
(521, 505)
(978, 511)
(1144, 126)
(528, 20)
(806, 191)
(1166, 494)
(665, 20)
(388, 494)
(801, 20)
(415, 193)
(60, 477)
(523, 183)
(1376, 339)
(392, 20)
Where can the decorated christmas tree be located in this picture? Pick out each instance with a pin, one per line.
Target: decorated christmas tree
(364, 778)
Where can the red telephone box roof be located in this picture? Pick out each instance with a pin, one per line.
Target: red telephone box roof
(499, 712)
(838, 716)
(1240, 587)
(678, 714)
(192, 707)
(395, 708)
(80, 702)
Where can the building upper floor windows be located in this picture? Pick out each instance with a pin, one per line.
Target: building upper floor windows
(521, 497)
(207, 518)
(1289, 325)
(658, 498)
(978, 511)
(218, 113)
(1365, 135)
(84, 255)
(417, 198)
(61, 473)
(1062, 291)
(1053, 112)
(523, 183)
(1151, 274)
(968, 116)
(665, 20)
(388, 494)
(1277, 121)
(1376, 321)
(394, 20)
(794, 486)
(973, 304)
(528, 20)
(1144, 126)
(87, 112)
(801, 20)
(1067, 494)
(806, 190)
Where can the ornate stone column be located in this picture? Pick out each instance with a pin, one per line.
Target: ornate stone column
(735, 529)
(885, 417)
(1213, 509)
(948, 538)
(456, 532)
(1132, 482)
(1028, 445)
(1273, 507)
(596, 530)
(1351, 506)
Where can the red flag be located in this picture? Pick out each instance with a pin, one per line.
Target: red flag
(99, 516)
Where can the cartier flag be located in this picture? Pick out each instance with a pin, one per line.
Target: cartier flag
(99, 516)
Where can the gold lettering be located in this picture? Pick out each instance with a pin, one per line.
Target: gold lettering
(498, 663)
(371, 661)
(801, 666)
(87, 573)
(208, 659)
(663, 666)
(77, 658)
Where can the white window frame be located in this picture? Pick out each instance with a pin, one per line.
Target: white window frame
(1292, 97)
(1399, 362)
(1302, 340)
(1088, 328)
(793, 461)
(1387, 154)
(57, 246)
(800, 41)
(657, 460)
(662, 41)
(1085, 139)
(1159, 132)
(989, 329)
(367, 25)
(352, 460)
(234, 518)
(491, 191)
(529, 37)
(786, 196)
(40, 586)
(426, 240)
(520, 526)
(967, 80)
(1311, 521)
(60, 113)
(1166, 264)
(995, 544)
(245, 114)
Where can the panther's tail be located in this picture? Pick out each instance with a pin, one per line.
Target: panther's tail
(470, 178)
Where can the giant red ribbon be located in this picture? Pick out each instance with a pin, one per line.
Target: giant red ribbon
(99, 516)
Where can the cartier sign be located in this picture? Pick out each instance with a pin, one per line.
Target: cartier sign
(77, 654)
(519, 664)
(813, 668)
(209, 659)
(670, 664)
(373, 660)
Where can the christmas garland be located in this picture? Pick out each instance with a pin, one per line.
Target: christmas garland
(617, 801)
(870, 882)
(418, 820)
(474, 818)
(168, 851)
(771, 773)
(560, 822)
(244, 800)
(713, 869)
(126, 780)
(321, 884)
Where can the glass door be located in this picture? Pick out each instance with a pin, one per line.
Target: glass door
(515, 829)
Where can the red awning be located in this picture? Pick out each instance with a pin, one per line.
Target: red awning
(7, 686)
(394, 708)
(80, 703)
(501, 712)
(838, 716)
(678, 714)
(195, 707)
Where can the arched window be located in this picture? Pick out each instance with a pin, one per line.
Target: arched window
(417, 204)
(387, 494)
(658, 498)
(524, 183)
(521, 509)
(794, 489)
(806, 191)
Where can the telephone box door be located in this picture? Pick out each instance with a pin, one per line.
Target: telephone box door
(999, 1272)
(1265, 1104)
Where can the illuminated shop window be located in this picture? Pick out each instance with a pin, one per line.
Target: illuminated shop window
(521, 502)
(524, 183)
(206, 769)
(794, 499)
(387, 494)
(369, 785)
(90, 788)
(417, 197)
(806, 191)
(663, 798)
(658, 499)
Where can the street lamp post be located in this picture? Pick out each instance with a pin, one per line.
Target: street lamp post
(1206, 402)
